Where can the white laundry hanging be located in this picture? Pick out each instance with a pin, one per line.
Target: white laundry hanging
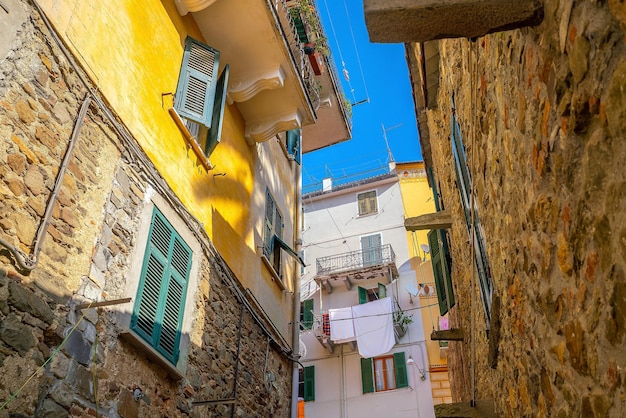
(373, 325)
(341, 325)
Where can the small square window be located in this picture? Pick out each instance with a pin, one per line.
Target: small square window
(368, 203)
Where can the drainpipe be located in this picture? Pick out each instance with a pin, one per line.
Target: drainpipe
(295, 323)
(29, 262)
(344, 412)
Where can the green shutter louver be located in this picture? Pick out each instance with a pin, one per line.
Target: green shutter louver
(195, 93)
(382, 291)
(158, 311)
(362, 295)
(400, 365)
(217, 116)
(367, 375)
(307, 314)
(443, 281)
(309, 383)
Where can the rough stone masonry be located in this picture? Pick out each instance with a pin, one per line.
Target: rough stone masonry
(543, 120)
(86, 256)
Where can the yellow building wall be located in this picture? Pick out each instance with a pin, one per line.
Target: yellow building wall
(133, 51)
(417, 199)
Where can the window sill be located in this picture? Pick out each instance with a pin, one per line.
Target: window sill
(365, 215)
(191, 141)
(138, 342)
(275, 277)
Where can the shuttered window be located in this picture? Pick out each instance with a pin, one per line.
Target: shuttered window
(201, 95)
(379, 374)
(273, 226)
(371, 248)
(309, 384)
(306, 314)
(441, 269)
(293, 144)
(368, 203)
(474, 228)
(158, 312)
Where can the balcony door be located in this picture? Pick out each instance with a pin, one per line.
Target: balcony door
(371, 249)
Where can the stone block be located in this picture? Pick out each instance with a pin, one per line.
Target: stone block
(402, 21)
(34, 180)
(50, 409)
(17, 335)
(78, 348)
(127, 406)
(25, 300)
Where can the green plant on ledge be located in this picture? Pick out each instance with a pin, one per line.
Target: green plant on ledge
(311, 19)
(402, 318)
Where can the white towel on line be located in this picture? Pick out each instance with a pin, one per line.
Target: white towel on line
(341, 325)
(373, 325)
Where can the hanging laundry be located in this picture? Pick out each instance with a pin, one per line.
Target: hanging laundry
(341, 325)
(326, 324)
(373, 325)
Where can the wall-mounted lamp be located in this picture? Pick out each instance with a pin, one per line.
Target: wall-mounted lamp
(411, 362)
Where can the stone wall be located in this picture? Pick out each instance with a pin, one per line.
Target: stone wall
(86, 256)
(542, 113)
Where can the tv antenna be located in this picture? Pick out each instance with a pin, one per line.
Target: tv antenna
(389, 154)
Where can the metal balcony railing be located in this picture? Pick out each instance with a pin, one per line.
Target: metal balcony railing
(354, 260)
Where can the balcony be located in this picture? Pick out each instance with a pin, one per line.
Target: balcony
(372, 263)
(271, 78)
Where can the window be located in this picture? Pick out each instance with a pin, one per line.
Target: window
(379, 374)
(306, 314)
(158, 311)
(371, 249)
(273, 228)
(306, 383)
(201, 95)
(370, 295)
(474, 228)
(368, 203)
(294, 140)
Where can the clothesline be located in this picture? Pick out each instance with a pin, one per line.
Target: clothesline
(393, 313)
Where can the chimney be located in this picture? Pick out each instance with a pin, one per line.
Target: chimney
(327, 184)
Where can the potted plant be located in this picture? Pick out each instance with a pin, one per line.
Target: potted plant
(400, 322)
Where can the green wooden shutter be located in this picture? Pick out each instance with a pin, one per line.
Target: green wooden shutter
(400, 365)
(195, 93)
(382, 291)
(307, 314)
(293, 144)
(269, 225)
(367, 375)
(362, 295)
(441, 272)
(158, 311)
(309, 383)
(217, 116)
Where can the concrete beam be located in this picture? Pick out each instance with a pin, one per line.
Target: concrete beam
(437, 220)
(401, 21)
(348, 283)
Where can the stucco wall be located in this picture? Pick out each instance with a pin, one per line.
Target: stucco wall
(542, 119)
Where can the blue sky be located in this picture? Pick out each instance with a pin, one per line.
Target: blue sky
(378, 72)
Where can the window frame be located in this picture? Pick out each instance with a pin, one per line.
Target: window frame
(368, 210)
(375, 253)
(369, 375)
(271, 251)
(124, 312)
(306, 383)
(166, 285)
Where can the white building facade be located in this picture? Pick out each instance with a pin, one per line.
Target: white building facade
(357, 266)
